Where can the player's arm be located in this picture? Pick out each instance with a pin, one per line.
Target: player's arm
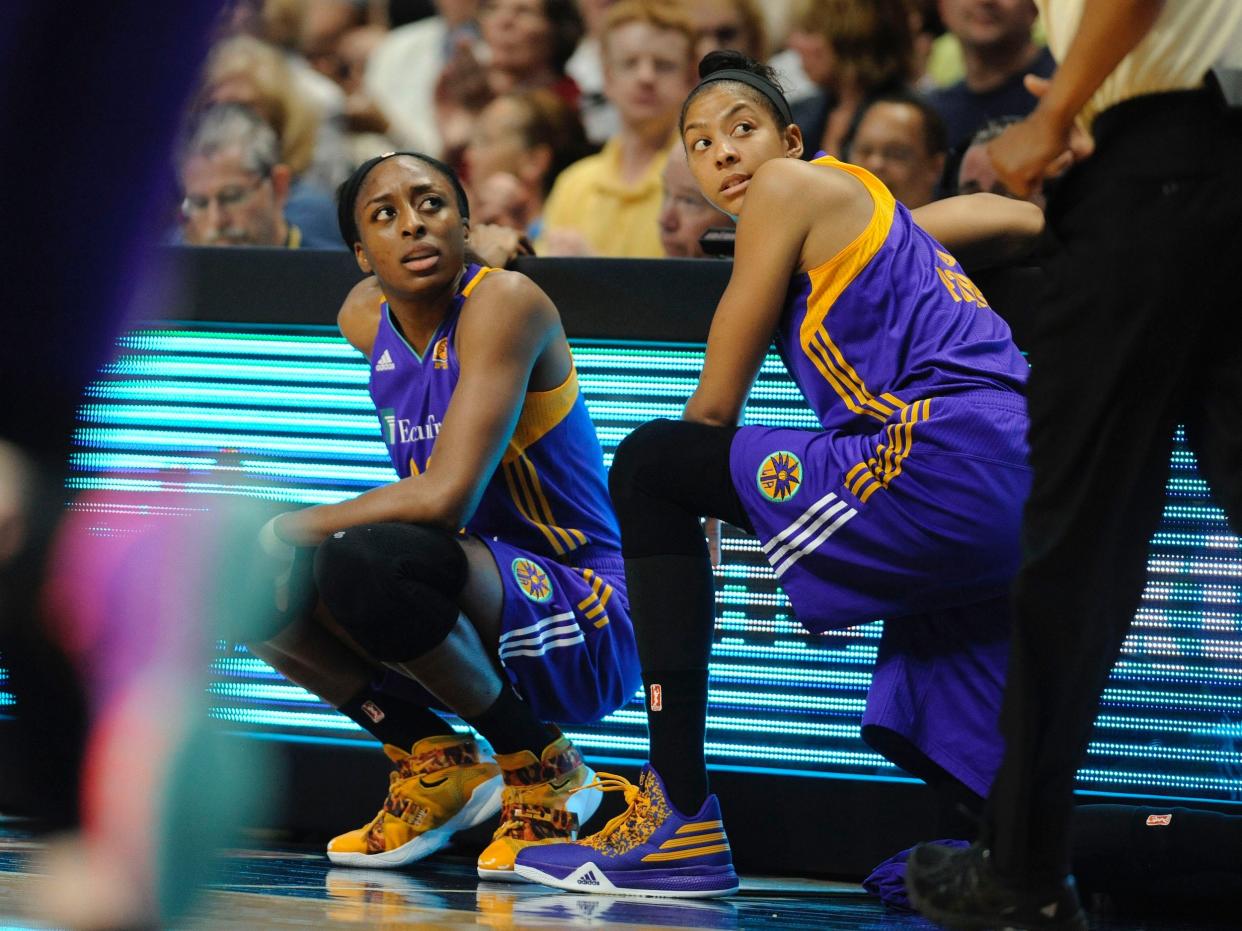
(776, 220)
(502, 332)
(358, 318)
(1041, 144)
(982, 229)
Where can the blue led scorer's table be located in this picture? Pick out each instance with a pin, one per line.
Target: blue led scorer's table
(291, 406)
(279, 411)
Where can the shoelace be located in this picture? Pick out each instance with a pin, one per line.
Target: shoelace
(634, 799)
(515, 824)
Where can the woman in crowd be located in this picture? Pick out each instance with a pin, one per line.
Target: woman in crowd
(520, 143)
(528, 43)
(852, 50)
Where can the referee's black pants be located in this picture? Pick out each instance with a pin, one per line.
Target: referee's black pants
(1140, 332)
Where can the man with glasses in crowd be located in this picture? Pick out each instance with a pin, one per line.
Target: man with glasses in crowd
(235, 187)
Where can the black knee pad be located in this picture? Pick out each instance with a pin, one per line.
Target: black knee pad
(392, 586)
(664, 477)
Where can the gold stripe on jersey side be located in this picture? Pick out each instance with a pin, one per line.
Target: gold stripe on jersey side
(842, 377)
(541, 412)
(517, 492)
(828, 281)
(571, 537)
(535, 507)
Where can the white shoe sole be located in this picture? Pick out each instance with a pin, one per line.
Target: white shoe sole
(590, 879)
(484, 803)
(583, 804)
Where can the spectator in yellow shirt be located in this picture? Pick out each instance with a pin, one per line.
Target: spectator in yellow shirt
(609, 204)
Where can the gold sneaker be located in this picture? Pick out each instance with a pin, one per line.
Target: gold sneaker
(544, 802)
(437, 789)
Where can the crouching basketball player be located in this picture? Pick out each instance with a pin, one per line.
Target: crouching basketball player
(905, 505)
(488, 580)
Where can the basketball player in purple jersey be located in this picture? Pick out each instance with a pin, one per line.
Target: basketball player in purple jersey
(904, 506)
(487, 580)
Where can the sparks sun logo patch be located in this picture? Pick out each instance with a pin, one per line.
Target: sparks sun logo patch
(780, 476)
(532, 580)
(439, 353)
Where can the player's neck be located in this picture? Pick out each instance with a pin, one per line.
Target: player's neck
(419, 315)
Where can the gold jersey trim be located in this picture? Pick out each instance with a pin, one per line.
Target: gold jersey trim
(541, 412)
(828, 281)
(473, 282)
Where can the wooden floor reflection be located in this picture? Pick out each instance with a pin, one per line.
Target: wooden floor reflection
(293, 887)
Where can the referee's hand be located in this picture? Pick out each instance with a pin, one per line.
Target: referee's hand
(1040, 146)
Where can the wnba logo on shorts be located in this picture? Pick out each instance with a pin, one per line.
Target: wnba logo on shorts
(373, 711)
(1159, 821)
(780, 476)
(656, 701)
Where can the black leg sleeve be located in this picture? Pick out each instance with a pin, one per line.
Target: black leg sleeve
(666, 476)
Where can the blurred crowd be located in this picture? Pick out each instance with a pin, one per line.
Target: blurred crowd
(561, 115)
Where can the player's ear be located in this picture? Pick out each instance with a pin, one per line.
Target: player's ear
(793, 141)
(360, 257)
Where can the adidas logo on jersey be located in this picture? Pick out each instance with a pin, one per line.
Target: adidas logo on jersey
(385, 363)
(588, 879)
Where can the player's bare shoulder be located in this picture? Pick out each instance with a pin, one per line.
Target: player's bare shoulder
(358, 318)
(504, 299)
(796, 192)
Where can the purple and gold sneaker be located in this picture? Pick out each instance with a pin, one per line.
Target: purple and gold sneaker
(650, 849)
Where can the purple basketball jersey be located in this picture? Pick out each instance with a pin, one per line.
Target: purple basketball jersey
(549, 494)
(566, 641)
(891, 320)
(907, 505)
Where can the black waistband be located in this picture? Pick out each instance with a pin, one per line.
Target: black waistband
(1156, 119)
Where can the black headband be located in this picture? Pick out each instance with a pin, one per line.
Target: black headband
(762, 85)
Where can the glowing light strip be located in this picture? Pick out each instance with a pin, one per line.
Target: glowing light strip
(208, 411)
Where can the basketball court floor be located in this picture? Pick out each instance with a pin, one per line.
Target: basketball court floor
(280, 886)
